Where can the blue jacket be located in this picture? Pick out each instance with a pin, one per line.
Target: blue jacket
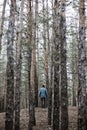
(43, 92)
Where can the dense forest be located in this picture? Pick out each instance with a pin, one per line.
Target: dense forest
(43, 42)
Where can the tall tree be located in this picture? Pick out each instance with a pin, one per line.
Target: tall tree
(64, 98)
(82, 119)
(18, 71)
(49, 69)
(2, 22)
(10, 69)
(45, 44)
(31, 88)
(56, 23)
(35, 44)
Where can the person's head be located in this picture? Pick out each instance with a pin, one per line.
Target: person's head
(43, 86)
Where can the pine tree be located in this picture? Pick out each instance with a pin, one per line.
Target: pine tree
(64, 98)
(82, 119)
(32, 120)
(49, 43)
(10, 69)
(34, 54)
(56, 23)
(2, 22)
(18, 71)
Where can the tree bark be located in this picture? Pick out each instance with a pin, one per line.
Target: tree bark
(32, 120)
(49, 43)
(64, 98)
(82, 119)
(56, 22)
(18, 70)
(2, 22)
(35, 62)
(10, 70)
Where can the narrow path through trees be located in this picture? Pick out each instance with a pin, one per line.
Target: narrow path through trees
(41, 119)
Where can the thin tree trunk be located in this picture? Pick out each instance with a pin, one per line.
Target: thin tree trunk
(10, 70)
(2, 22)
(74, 69)
(82, 119)
(36, 88)
(45, 49)
(74, 90)
(37, 47)
(49, 70)
(35, 63)
(74, 79)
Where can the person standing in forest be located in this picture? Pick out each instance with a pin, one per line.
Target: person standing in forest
(43, 95)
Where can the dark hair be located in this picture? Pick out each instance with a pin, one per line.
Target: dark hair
(43, 85)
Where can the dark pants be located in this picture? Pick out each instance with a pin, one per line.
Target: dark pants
(43, 102)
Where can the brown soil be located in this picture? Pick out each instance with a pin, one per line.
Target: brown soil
(41, 119)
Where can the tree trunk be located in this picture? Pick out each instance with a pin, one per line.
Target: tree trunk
(64, 98)
(36, 88)
(82, 119)
(2, 22)
(49, 70)
(74, 77)
(56, 21)
(35, 63)
(18, 71)
(31, 87)
(10, 70)
(74, 58)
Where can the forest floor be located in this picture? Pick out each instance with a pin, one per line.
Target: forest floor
(41, 119)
